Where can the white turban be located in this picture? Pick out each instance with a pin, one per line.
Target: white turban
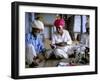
(38, 24)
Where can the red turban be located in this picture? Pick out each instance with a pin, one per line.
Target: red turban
(59, 22)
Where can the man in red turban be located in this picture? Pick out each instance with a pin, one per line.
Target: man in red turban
(61, 39)
(59, 22)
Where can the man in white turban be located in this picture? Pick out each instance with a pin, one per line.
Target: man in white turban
(34, 45)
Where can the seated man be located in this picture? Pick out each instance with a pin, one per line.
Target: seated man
(82, 49)
(34, 45)
(85, 38)
(61, 40)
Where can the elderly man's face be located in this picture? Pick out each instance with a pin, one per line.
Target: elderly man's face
(35, 31)
(59, 29)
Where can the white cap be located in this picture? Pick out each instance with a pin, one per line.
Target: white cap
(38, 24)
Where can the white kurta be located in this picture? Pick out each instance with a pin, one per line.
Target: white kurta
(57, 38)
(30, 53)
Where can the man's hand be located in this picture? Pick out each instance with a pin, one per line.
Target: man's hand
(52, 46)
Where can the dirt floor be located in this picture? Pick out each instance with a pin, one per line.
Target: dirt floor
(55, 62)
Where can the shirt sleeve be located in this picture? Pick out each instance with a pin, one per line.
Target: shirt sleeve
(53, 39)
(68, 38)
(40, 46)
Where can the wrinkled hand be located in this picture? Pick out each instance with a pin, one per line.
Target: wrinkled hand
(52, 46)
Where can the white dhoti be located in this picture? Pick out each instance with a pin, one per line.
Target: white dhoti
(61, 52)
(58, 38)
(30, 53)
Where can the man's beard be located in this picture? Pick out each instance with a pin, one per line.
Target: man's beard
(35, 34)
